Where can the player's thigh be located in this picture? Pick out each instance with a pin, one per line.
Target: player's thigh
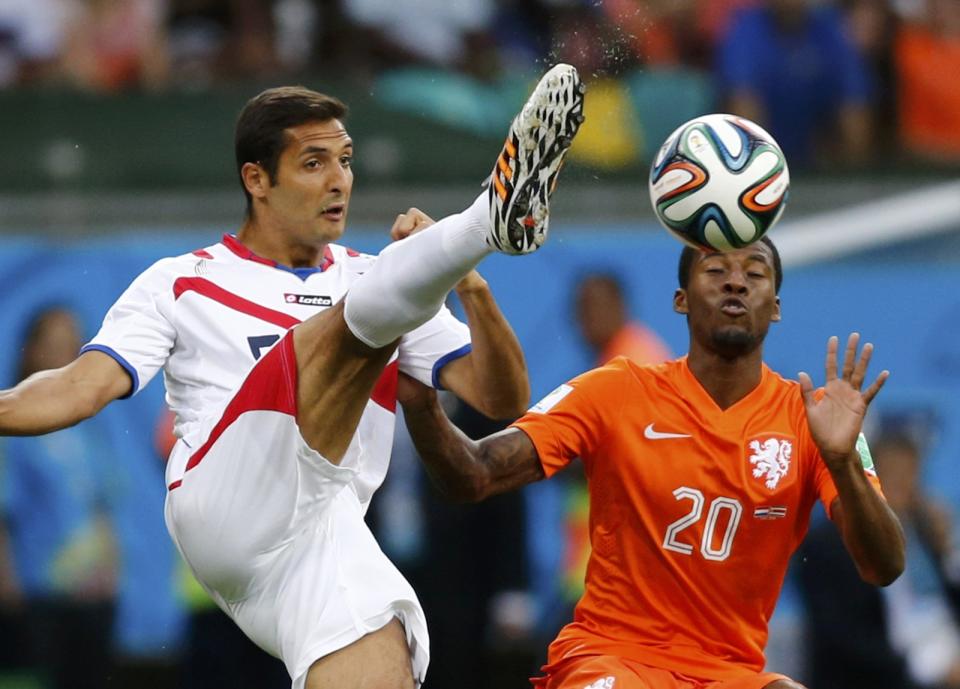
(336, 374)
(250, 485)
(606, 672)
(379, 660)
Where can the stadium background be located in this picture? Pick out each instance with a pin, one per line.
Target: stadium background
(118, 152)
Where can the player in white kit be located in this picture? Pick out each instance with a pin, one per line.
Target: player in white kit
(280, 352)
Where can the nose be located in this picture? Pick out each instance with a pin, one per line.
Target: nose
(339, 180)
(736, 282)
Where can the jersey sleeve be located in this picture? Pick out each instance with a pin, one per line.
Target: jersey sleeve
(137, 330)
(423, 352)
(573, 420)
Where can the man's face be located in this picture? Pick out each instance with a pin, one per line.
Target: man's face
(730, 300)
(311, 191)
(600, 312)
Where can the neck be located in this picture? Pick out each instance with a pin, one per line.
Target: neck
(277, 245)
(726, 380)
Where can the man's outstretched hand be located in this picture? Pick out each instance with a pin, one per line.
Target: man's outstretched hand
(836, 419)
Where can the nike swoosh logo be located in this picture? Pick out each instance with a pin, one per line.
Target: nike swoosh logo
(651, 434)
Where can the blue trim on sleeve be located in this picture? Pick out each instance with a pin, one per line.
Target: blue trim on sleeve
(446, 359)
(131, 371)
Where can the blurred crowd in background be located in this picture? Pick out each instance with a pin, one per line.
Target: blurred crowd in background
(844, 84)
(835, 80)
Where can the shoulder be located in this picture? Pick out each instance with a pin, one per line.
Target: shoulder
(621, 373)
(350, 260)
(654, 374)
(166, 270)
(785, 390)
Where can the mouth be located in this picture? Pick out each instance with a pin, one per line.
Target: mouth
(335, 212)
(733, 308)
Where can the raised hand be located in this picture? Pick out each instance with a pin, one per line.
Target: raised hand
(408, 223)
(836, 418)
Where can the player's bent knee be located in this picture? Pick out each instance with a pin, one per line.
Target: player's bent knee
(784, 684)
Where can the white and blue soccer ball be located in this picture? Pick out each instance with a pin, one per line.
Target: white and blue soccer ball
(719, 182)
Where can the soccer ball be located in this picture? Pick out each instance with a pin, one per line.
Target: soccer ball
(719, 182)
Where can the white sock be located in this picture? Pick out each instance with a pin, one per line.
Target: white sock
(410, 279)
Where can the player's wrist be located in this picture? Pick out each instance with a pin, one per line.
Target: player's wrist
(842, 462)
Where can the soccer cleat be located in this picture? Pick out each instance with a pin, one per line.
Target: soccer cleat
(526, 171)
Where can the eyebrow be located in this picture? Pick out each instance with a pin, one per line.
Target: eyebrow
(311, 150)
(752, 257)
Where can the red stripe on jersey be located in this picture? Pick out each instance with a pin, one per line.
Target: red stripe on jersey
(202, 253)
(270, 386)
(240, 250)
(352, 253)
(327, 257)
(385, 391)
(208, 289)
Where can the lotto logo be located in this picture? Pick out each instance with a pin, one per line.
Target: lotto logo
(308, 299)
(604, 683)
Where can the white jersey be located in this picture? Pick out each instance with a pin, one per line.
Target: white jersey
(206, 317)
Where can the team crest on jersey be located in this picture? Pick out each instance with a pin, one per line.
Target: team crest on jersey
(308, 299)
(603, 683)
(770, 458)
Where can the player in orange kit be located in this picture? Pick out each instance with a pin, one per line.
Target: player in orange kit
(702, 474)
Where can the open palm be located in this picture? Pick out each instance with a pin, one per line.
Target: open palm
(835, 419)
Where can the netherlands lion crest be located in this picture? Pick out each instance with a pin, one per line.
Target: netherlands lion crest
(770, 460)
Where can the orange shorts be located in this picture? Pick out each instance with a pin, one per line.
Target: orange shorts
(610, 672)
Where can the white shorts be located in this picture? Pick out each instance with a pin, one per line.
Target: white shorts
(276, 535)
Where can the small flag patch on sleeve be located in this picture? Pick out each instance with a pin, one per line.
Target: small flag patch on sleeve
(548, 402)
(866, 459)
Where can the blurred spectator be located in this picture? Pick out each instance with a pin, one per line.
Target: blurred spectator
(791, 66)
(664, 32)
(439, 33)
(582, 35)
(471, 582)
(922, 609)
(872, 26)
(59, 562)
(927, 55)
(605, 323)
(906, 635)
(32, 35)
(112, 45)
(603, 317)
(211, 40)
(846, 637)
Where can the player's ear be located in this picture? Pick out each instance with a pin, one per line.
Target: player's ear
(255, 179)
(680, 301)
(776, 311)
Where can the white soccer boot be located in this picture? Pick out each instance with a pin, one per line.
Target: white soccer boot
(526, 171)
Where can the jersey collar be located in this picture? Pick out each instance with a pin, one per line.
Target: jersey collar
(240, 250)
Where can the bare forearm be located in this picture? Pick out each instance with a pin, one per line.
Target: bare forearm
(50, 400)
(499, 375)
(870, 530)
(468, 470)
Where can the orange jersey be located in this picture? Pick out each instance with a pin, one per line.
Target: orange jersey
(694, 512)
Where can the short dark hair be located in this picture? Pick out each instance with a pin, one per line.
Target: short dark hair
(259, 136)
(688, 255)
